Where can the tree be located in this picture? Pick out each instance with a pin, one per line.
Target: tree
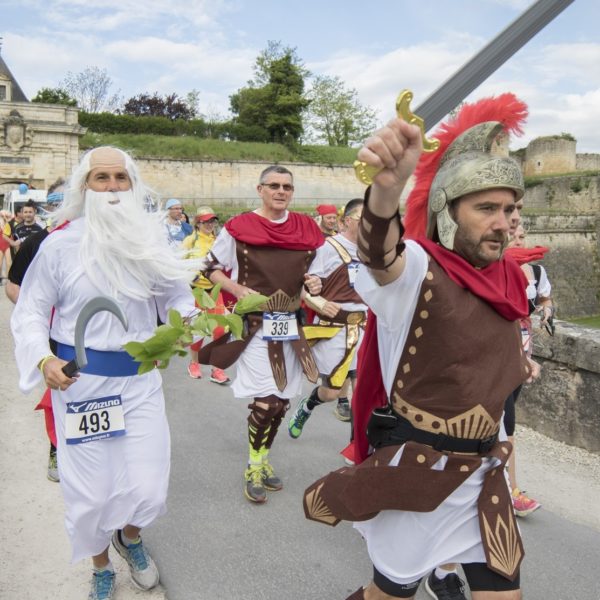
(171, 106)
(91, 90)
(335, 115)
(270, 107)
(54, 96)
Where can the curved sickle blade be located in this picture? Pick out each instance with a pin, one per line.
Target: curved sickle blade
(90, 308)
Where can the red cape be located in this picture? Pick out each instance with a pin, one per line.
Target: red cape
(297, 232)
(502, 285)
(526, 255)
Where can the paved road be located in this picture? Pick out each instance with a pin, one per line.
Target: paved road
(214, 544)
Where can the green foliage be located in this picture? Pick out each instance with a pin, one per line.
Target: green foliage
(270, 108)
(335, 115)
(54, 96)
(576, 186)
(173, 337)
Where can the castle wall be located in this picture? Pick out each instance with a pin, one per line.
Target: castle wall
(587, 162)
(549, 155)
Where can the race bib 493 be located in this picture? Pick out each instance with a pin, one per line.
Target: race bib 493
(97, 419)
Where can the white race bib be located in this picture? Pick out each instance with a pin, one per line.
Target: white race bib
(97, 419)
(526, 339)
(352, 272)
(280, 326)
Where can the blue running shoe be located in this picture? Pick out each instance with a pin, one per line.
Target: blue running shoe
(103, 585)
(142, 568)
(298, 419)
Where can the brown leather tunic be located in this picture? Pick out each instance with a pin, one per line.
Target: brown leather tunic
(460, 362)
(279, 274)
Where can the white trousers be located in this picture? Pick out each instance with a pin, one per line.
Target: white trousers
(107, 484)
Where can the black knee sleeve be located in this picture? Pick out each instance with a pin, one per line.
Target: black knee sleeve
(482, 579)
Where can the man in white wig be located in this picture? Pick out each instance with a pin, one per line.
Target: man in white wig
(114, 483)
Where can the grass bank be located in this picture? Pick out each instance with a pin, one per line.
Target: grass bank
(588, 321)
(191, 148)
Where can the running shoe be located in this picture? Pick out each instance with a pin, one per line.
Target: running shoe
(103, 585)
(451, 587)
(298, 419)
(254, 487)
(219, 376)
(53, 466)
(522, 504)
(342, 410)
(271, 481)
(142, 568)
(195, 370)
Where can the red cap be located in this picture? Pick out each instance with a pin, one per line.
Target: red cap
(326, 209)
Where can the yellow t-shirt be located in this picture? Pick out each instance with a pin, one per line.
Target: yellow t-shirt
(198, 244)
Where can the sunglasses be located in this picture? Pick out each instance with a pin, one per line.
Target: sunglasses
(287, 187)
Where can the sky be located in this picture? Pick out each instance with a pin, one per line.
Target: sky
(377, 48)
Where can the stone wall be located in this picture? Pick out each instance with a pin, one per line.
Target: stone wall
(564, 403)
(588, 162)
(228, 183)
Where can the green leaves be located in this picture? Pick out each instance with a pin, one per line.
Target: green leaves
(250, 303)
(173, 338)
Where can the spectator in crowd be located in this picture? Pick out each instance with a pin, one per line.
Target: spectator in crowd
(198, 244)
(327, 218)
(23, 259)
(5, 258)
(177, 227)
(9, 229)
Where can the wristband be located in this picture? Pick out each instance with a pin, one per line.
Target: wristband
(44, 361)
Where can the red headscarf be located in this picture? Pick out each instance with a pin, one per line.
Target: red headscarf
(326, 209)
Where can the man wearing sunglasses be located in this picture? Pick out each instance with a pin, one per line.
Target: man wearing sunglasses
(267, 251)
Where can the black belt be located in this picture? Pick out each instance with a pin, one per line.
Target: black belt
(388, 428)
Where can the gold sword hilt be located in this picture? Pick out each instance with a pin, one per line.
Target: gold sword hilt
(365, 172)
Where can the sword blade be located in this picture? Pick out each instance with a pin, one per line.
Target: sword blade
(90, 308)
(474, 72)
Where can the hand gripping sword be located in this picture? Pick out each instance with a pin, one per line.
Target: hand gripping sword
(90, 308)
(455, 89)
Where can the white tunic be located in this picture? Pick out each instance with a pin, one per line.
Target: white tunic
(329, 352)
(254, 377)
(121, 480)
(404, 546)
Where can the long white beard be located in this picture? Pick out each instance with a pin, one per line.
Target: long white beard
(128, 247)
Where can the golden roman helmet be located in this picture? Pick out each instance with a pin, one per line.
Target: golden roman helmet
(470, 164)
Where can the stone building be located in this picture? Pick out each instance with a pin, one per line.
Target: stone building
(38, 142)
